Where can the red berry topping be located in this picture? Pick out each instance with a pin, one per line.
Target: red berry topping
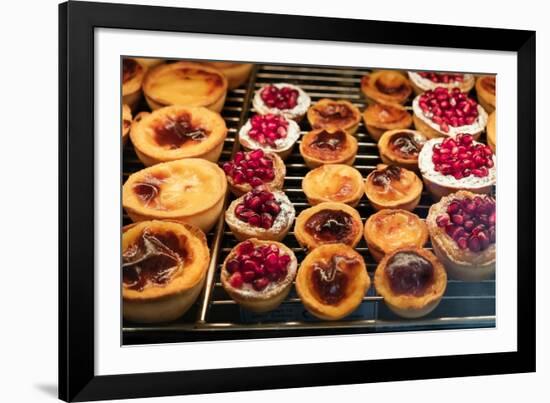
(462, 157)
(254, 168)
(259, 208)
(266, 129)
(280, 98)
(444, 78)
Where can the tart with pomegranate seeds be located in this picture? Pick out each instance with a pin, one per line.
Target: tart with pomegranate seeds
(270, 133)
(388, 230)
(442, 112)
(185, 83)
(191, 191)
(248, 170)
(386, 87)
(258, 274)
(380, 118)
(333, 183)
(390, 186)
(486, 92)
(328, 223)
(261, 214)
(176, 132)
(235, 73)
(334, 115)
(133, 74)
(164, 265)
(423, 81)
(491, 132)
(326, 146)
(332, 281)
(126, 122)
(463, 233)
(281, 99)
(460, 163)
(401, 148)
(411, 280)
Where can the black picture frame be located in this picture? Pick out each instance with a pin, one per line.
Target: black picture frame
(77, 21)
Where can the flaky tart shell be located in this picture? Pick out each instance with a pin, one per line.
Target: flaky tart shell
(461, 264)
(358, 282)
(411, 306)
(235, 73)
(185, 83)
(277, 183)
(491, 131)
(485, 96)
(269, 298)
(306, 240)
(349, 125)
(391, 158)
(150, 152)
(126, 122)
(333, 183)
(379, 118)
(166, 302)
(314, 157)
(192, 191)
(391, 229)
(149, 62)
(389, 78)
(132, 87)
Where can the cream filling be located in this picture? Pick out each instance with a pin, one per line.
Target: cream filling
(281, 144)
(426, 84)
(302, 103)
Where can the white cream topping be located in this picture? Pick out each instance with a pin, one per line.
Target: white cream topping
(426, 84)
(281, 144)
(302, 103)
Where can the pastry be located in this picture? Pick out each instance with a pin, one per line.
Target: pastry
(423, 81)
(191, 190)
(132, 78)
(235, 73)
(334, 115)
(491, 132)
(176, 132)
(260, 214)
(388, 230)
(248, 170)
(333, 183)
(185, 83)
(126, 122)
(270, 133)
(459, 163)
(463, 233)
(328, 223)
(380, 118)
(401, 147)
(258, 274)
(411, 281)
(386, 87)
(332, 281)
(149, 62)
(164, 265)
(281, 99)
(486, 92)
(443, 112)
(326, 146)
(390, 186)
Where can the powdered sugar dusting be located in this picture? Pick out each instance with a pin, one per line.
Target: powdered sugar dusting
(281, 144)
(302, 105)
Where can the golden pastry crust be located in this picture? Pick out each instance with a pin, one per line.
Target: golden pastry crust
(491, 131)
(379, 118)
(390, 186)
(339, 258)
(235, 73)
(333, 183)
(133, 75)
(334, 115)
(325, 146)
(410, 305)
(176, 132)
(126, 122)
(486, 92)
(305, 225)
(386, 87)
(401, 147)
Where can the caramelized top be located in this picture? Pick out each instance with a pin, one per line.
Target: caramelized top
(390, 85)
(332, 113)
(329, 141)
(383, 177)
(390, 183)
(409, 273)
(385, 114)
(330, 226)
(330, 280)
(148, 190)
(129, 69)
(333, 182)
(405, 146)
(392, 229)
(489, 84)
(175, 132)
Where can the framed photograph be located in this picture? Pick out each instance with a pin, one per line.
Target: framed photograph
(259, 201)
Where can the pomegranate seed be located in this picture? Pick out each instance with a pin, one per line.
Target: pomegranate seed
(236, 280)
(448, 107)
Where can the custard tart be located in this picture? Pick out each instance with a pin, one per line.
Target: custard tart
(463, 233)
(380, 118)
(133, 75)
(332, 281)
(261, 214)
(388, 230)
(486, 92)
(258, 274)
(442, 113)
(333, 183)
(390, 186)
(328, 223)
(176, 132)
(235, 73)
(282, 99)
(423, 81)
(491, 132)
(386, 87)
(126, 122)
(412, 281)
(326, 146)
(164, 265)
(148, 62)
(334, 115)
(401, 148)
(459, 163)
(191, 190)
(185, 83)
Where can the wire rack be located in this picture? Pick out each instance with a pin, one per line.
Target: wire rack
(216, 316)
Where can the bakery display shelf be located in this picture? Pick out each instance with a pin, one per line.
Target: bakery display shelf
(216, 316)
